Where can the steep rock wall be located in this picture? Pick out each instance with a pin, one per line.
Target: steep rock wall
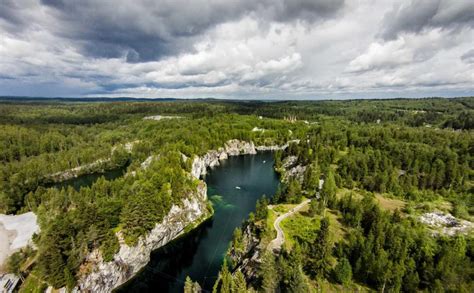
(232, 147)
(103, 276)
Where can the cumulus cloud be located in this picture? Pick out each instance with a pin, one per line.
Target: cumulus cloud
(245, 49)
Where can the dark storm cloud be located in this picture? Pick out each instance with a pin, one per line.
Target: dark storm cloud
(419, 15)
(148, 30)
(468, 57)
(10, 13)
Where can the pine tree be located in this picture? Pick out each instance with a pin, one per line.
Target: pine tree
(343, 271)
(188, 285)
(328, 193)
(320, 250)
(269, 273)
(239, 284)
(224, 282)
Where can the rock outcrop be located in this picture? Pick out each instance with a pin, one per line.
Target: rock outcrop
(290, 169)
(77, 171)
(446, 224)
(248, 260)
(212, 158)
(232, 147)
(101, 276)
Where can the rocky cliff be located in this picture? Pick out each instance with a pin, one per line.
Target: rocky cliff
(248, 259)
(100, 276)
(232, 147)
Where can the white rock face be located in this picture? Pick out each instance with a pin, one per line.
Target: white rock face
(75, 172)
(296, 172)
(105, 276)
(289, 162)
(446, 224)
(145, 164)
(212, 158)
(232, 147)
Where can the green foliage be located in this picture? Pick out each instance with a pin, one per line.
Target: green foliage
(14, 262)
(239, 284)
(315, 208)
(346, 146)
(320, 251)
(268, 273)
(328, 193)
(237, 242)
(261, 210)
(290, 193)
(395, 253)
(291, 272)
(191, 287)
(343, 271)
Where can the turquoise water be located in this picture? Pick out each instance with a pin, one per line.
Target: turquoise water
(200, 253)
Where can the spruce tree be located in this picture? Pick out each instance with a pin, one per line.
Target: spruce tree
(329, 189)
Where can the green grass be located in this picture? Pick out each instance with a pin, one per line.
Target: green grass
(299, 225)
(390, 204)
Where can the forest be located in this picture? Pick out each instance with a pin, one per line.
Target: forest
(353, 242)
(417, 151)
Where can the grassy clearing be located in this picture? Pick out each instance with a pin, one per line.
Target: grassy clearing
(299, 226)
(302, 226)
(336, 230)
(390, 204)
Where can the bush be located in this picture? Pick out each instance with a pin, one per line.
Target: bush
(343, 271)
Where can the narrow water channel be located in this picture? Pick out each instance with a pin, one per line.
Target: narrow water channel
(234, 188)
(87, 180)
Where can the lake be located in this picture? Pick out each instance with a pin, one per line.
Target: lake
(233, 188)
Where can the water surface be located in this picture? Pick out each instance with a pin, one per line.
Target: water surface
(87, 180)
(234, 188)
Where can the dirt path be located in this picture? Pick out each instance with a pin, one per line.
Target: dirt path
(275, 244)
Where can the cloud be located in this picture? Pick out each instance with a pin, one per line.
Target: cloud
(418, 15)
(468, 57)
(406, 49)
(145, 30)
(228, 49)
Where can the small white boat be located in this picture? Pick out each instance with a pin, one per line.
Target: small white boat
(237, 187)
(264, 161)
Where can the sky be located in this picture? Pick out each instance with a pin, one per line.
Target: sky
(247, 49)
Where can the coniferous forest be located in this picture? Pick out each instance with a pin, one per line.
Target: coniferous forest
(370, 168)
